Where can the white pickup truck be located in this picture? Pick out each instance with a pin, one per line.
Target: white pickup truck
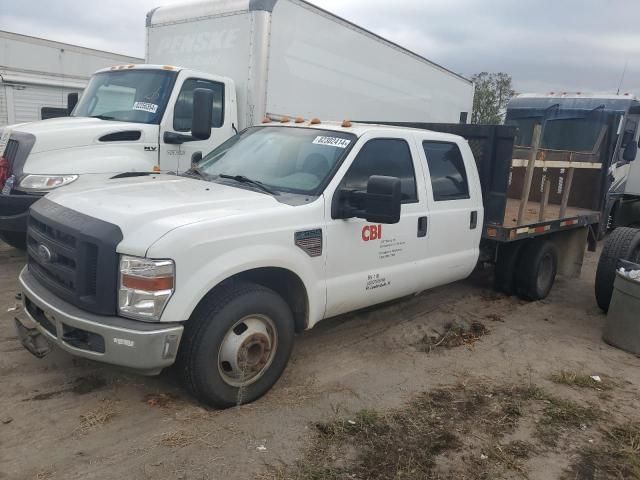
(278, 228)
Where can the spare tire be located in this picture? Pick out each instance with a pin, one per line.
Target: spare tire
(623, 243)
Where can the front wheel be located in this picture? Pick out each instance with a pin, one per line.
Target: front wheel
(236, 345)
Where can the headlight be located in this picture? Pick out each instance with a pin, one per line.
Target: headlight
(145, 287)
(46, 182)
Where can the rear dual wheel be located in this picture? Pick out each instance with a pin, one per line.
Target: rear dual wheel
(527, 270)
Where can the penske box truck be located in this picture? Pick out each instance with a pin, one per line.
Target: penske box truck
(256, 58)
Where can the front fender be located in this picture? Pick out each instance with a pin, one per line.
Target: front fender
(197, 275)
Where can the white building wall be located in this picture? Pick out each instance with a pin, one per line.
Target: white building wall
(37, 73)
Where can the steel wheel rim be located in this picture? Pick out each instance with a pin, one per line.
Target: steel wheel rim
(247, 350)
(545, 273)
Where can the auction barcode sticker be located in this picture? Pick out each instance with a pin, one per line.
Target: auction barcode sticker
(145, 107)
(332, 141)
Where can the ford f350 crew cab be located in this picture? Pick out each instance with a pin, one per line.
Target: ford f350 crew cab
(278, 228)
(256, 57)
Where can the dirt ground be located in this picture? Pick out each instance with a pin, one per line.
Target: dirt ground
(66, 418)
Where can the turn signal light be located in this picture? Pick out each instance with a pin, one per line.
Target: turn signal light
(150, 284)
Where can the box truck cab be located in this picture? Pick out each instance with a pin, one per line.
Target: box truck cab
(257, 57)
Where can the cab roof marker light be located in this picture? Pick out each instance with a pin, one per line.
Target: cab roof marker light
(299, 120)
(284, 119)
(266, 120)
(347, 124)
(156, 169)
(314, 121)
(168, 67)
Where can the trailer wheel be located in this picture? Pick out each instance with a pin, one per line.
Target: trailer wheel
(505, 272)
(623, 243)
(236, 345)
(537, 268)
(15, 239)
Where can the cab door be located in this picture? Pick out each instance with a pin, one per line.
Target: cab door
(175, 155)
(456, 212)
(371, 263)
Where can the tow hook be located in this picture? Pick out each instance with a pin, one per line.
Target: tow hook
(29, 335)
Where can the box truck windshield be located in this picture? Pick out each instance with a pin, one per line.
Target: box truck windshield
(138, 96)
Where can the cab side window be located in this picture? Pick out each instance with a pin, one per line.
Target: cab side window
(446, 167)
(383, 156)
(183, 110)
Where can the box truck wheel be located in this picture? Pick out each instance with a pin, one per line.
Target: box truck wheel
(15, 239)
(236, 344)
(536, 272)
(623, 243)
(505, 272)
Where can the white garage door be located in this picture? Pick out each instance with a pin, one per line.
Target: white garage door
(35, 102)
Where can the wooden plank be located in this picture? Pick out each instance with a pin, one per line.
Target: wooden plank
(566, 186)
(545, 199)
(526, 189)
(522, 162)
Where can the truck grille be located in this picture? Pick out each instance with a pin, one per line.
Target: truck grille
(74, 256)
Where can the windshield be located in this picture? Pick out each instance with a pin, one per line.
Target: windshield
(297, 160)
(138, 96)
(572, 134)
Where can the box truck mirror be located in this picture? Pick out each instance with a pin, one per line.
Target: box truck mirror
(201, 121)
(72, 101)
(381, 203)
(630, 152)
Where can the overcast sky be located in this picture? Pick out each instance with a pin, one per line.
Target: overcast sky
(572, 45)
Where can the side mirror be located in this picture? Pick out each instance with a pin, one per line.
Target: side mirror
(630, 152)
(196, 157)
(383, 199)
(381, 203)
(72, 101)
(201, 121)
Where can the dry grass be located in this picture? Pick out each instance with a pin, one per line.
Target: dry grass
(580, 380)
(184, 438)
(97, 417)
(616, 456)
(456, 335)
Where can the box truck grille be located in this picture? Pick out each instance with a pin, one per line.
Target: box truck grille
(11, 151)
(74, 256)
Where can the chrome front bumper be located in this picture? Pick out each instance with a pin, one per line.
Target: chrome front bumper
(145, 347)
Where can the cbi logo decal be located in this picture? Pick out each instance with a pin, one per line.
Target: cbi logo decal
(371, 232)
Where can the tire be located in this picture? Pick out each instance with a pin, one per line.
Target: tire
(537, 268)
(623, 243)
(239, 319)
(15, 239)
(506, 264)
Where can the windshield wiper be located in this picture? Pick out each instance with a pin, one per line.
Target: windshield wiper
(103, 117)
(247, 180)
(198, 173)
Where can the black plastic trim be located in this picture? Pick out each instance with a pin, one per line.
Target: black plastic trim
(124, 136)
(86, 247)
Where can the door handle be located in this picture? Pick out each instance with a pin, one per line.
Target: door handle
(473, 223)
(422, 226)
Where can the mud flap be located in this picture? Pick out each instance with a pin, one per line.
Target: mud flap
(31, 338)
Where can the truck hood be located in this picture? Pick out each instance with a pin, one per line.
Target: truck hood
(146, 208)
(70, 132)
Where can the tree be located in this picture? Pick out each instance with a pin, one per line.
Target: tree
(493, 92)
